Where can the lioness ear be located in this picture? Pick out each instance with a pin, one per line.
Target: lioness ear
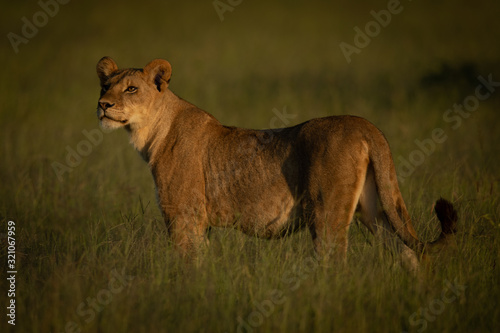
(159, 72)
(105, 67)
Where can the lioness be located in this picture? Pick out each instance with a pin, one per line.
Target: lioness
(266, 183)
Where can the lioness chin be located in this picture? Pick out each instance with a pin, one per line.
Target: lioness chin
(314, 175)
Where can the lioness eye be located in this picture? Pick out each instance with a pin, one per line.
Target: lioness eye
(131, 89)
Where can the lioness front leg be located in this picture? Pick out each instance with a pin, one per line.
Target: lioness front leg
(188, 235)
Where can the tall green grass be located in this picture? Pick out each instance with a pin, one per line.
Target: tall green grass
(75, 236)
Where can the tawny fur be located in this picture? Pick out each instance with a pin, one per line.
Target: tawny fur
(266, 183)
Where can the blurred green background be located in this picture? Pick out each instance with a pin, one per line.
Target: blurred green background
(101, 214)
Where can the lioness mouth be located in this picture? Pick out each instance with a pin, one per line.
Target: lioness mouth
(118, 121)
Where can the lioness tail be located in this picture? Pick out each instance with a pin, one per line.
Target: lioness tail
(447, 215)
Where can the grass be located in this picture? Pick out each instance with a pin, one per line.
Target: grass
(77, 237)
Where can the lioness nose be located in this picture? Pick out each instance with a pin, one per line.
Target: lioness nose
(105, 104)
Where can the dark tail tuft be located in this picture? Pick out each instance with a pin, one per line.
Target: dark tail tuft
(447, 215)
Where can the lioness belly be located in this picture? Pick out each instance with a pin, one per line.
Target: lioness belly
(268, 213)
(269, 219)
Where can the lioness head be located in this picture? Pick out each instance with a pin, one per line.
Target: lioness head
(127, 94)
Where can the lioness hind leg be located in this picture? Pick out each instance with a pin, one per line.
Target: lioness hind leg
(330, 226)
(377, 223)
(408, 257)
